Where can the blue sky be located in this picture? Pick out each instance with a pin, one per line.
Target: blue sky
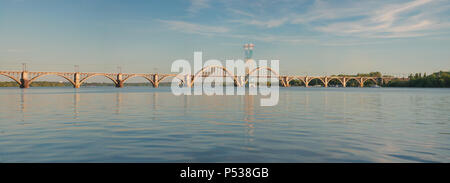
(307, 36)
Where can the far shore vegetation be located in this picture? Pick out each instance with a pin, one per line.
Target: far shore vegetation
(436, 80)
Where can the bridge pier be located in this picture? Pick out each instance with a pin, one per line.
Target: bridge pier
(119, 81)
(119, 84)
(285, 81)
(155, 81)
(307, 80)
(25, 83)
(361, 82)
(240, 81)
(24, 80)
(76, 79)
(385, 81)
(325, 82)
(188, 80)
(236, 82)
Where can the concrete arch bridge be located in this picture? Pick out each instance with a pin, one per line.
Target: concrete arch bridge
(343, 80)
(25, 78)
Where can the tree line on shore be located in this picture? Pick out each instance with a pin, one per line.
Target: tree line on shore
(439, 79)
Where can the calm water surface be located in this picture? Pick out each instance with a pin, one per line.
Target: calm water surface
(140, 124)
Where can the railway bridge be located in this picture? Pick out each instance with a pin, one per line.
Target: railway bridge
(25, 78)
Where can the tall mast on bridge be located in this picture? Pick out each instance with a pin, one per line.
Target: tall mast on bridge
(248, 50)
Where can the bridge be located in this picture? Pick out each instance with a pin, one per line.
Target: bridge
(25, 78)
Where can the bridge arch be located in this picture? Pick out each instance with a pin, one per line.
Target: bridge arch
(260, 68)
(352, 78)
(139, 75)
(12, 77)
(373, 79)
(338, 79)
(214, 66)
(263, 67)
(316, 78)
(386, 80)
(301, 79)
(168, 76)
(55, 74)
(92, 75)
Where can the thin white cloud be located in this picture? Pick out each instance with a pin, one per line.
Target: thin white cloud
(197, 5)
(350, 24)
(349, 43)
(391, 21)
(274, 38)
(389, 13)
(412, 27)
(194, 28)
(321, 10)
(14, 50)
(371, 19)
(240, 12)
(267, 24)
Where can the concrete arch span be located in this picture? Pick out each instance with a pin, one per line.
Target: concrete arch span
(182, 80)
(258, 69)
(371, 79)
(309, 79)
(92, 75)
(230, 74)
(12, 77)
(140, 75)
(352, 78)
(54, 74)
(341, 80)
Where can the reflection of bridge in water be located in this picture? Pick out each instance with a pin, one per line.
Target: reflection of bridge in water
(25, 78)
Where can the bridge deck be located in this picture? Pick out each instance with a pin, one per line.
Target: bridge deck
(25, 78)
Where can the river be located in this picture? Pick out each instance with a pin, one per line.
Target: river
(142, 124)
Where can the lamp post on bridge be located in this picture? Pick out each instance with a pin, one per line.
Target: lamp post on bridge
(24, 67)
